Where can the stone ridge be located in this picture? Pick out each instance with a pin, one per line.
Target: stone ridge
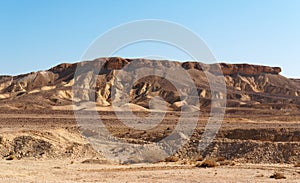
(232, 69)
(117, 63)
(247, 69)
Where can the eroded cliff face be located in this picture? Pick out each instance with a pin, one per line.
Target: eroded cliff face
(248, 70)
(247, 85)
(233, 69)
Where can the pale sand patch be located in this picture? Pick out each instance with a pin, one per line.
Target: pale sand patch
(34, 91)
(91, 106)
(63, 108)
(44, 88)
(4, 96)
(75, 171)
(47, 88)
(133, 107)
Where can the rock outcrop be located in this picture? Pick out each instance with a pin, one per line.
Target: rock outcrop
(233, 69)
(248, 70)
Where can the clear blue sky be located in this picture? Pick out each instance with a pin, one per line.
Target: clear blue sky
(35, 34)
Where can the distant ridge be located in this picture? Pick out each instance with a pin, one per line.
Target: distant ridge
(249, 86)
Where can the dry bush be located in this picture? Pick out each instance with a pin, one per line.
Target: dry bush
(278, 175)
(11, 157)
(198, 158)
(207, 163)
(184, 162)
(232, 163)
(223, 162)
(94, 161)
(172, 159)
(227, 163)
(218, 159)
(260, 175)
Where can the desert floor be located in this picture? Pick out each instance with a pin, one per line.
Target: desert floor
(59, 129)
(66, 171)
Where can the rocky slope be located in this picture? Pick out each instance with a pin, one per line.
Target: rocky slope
(247, 85)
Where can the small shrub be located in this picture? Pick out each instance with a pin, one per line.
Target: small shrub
(259, 175)
(11, 157)
(207, 163)
(94, 161)
(278, 175)
(220, 159)
(172, 159)
(227, 163)
(185, 162)
(232, 163)
(198, 158)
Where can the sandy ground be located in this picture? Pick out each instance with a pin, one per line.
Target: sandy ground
(67, 171)
(55, 125)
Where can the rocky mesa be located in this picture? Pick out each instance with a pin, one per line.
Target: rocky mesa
(246, 85)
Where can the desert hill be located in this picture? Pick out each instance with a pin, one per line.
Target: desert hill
(250, 86)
